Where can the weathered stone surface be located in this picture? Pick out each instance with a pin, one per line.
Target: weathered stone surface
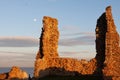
(47, 60)
(49, 38)
(112, 49)
(107, 47)
(17, 73)
(3, 76)
(64, 67)
(14, 74)
(106, 64)
(101, 29)
(38, 55)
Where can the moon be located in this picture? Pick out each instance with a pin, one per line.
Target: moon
(34, 19)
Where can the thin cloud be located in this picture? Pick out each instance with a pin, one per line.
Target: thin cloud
(18, 42)
(73, 53)
(78, 55)
(76, 41)
(79, 33)
(70, 28)
(10, 58)
(16, 56)
(14, 52)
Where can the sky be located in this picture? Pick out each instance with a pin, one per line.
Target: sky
(21, 23)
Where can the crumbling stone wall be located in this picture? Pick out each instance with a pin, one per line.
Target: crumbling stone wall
(111, 69)
(14, 74)
(101, 29)
(49, 38)
(47, 60)
(63, 67)
(107, 47)
(106, 64)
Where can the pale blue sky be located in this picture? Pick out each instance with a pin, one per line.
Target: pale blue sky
(21, 22)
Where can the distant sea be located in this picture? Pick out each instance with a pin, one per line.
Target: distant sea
(29, 70)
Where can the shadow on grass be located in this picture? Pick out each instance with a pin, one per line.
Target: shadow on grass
(54, 73)
(82, 77)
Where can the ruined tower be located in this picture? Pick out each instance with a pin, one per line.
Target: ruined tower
(111, 69)
(101, 29)
(105, 65)
(107, 47)
(49, 38)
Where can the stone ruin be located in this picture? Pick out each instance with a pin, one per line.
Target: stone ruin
(107, 47)
(112, 49)
(106, 64)
(47, 60)
(49, 38)
(14, 74)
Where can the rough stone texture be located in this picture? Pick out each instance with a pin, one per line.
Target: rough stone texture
(49, 38)
(106, 64)
(15, 74)
(3, 76)
(112, 49)
(101, 29)
(64, 67)
(100, 43)
(107, 47)
(47, 60)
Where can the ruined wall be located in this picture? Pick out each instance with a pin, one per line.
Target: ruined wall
(64, 67)
(14, 74)
(101, 29)
(106, 64)
(111, 70)
(107, 47)
(47, 60)
(49, 38)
